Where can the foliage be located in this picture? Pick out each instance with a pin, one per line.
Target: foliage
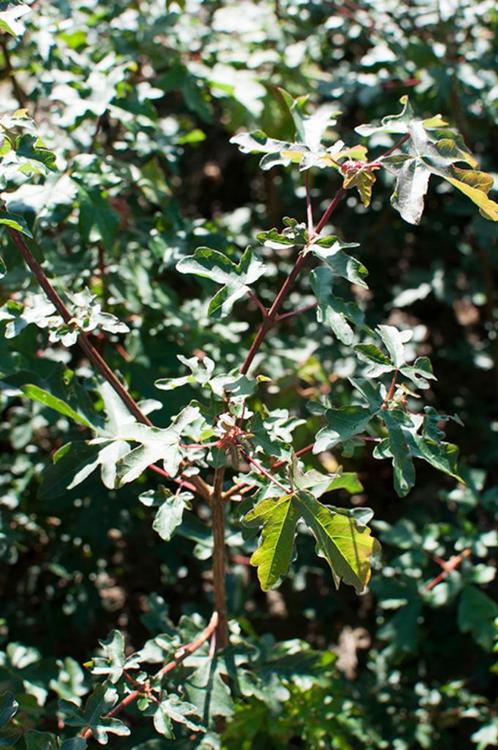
(194, 401)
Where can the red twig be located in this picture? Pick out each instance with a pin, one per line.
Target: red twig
(299, 311)
(262, 470)
(448, 566)
(258, 303)
(181, 655)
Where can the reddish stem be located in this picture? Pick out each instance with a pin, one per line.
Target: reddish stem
(182, 654)
(262, 470)
(91, 352)
(299, 311)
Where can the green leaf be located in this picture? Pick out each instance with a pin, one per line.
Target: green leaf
(339, 262)
(404, 470)
(310, 129)
(171, 509)
(40, 740)
(294, 234)
(236, 278)
(111, 662)
(419, 373)
(35, 393)
(400, 123)
(332, 310)
(394, 341)
(72, 463)
(274, 555)
(430, 154)
(173, 709)
(8, 707)
(93, 717)
(476, 615)
(16, 222)
(97, 221)
(207, 689)
(342, 424)
(345, 545)
(378, 363)
(73, 743)
(339, 539)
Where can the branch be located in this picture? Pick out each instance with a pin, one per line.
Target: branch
(447, 566)
(299, 311)
(247, 487)
(181, 655)
(262, 470)
(285, 288)
(91, 352)
(219, 558)
(19, 92)
(395, 147)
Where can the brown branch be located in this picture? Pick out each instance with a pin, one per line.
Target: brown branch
(219, 558)
(391, 391)
(181, 655)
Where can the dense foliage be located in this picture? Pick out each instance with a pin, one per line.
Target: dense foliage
(218, 427)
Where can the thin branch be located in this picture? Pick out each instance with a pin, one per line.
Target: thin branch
(262, 470)
(447, 567)
(91, 352)
(219, 558)
(181, 655)
(391, 391)
(258, 303)
(395, 147)
(19, 92)
(299, 311)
